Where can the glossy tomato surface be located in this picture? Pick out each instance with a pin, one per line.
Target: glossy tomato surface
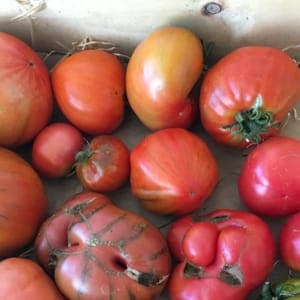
(23, 279)
(247, 94)
(160, 77)
(103, 166)
(99, 251)
(172, 171)
(269, 181)
(54, 149)
(25, 92)
(89, 87)
(23, 202)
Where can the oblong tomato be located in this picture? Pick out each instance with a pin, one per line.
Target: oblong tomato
(25, 92)
(89, 87)
(246, 95)
(172, 171)
(161, 74)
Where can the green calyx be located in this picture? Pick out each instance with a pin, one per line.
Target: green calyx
(251, 123)
(83, 156)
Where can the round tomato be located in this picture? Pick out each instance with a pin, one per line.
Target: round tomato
(103, 166)
(99, 251)
(25, 92)
(160, 77)
(54, 149)
(89, 87)
(23, 202)
(269, 181)
(22, 279)
(172, 171)
(246, 95)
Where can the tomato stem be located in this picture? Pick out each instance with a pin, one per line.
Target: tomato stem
(84, 155)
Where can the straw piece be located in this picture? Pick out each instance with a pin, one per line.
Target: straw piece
(29, 7)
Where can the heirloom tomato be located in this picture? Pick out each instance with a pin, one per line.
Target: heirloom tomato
(54, 149)
(223, 255)
(23, 202)
(246, 95)
(172, 171)
(89, 87)
(24, 279)
(99, 251)
(103, 165)
(160, 77)
(269, 181)
(25, 92)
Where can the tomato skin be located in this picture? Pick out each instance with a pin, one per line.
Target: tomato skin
(161, 74)
(174, 176)
(103, 166)
(233, 84)
(54, 149)
(89, 87)
(244, 243)
(23, 279)
(23, 202)
(269, 181)
(89, 240)
(26, 98)
(289, 242)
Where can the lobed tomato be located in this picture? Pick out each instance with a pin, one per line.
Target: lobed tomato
(246, 95)
(160, 77)
(25, 92)
(89, 87)
(269, 181)
(103, 165)
(54, 149)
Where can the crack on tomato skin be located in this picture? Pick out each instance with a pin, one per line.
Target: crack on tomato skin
(76, 209)
(192, 271)
(232, 275)
(159, 253)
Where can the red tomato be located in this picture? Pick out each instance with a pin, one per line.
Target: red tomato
(246, 95)
(99, 251)
(25, 92)
(172, 171)
(89, 88)
(54, 149)
(103, 166)
(269, 181)
(23, 202)
(223, 255)
(23, 279)
(160, 77)
(289, 242)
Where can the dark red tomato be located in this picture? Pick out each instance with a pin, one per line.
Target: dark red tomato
(269, 182)
(222, 255)
(23, 202)
(23, 279)
(172, 171)
(25, 92)
(99, 251)
(160, 77)
(89, 87)
(54, 149)
(103, 166)
(247, 94)
(289, 242)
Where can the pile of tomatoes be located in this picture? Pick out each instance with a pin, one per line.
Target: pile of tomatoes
(91, 247)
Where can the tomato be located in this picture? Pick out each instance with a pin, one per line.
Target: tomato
(89, 87)
(99, 251)
(269, 181)
(54, 149)
(103, 166)
(172, 171)
(160, 77)
(23, 279)
(289, 242)
(25, 92)
(247, 94)
(224, 254)
(23, 202)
